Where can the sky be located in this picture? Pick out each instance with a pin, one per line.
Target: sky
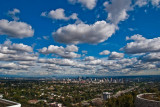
(79, 37)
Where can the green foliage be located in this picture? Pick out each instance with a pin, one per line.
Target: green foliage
(121, 101)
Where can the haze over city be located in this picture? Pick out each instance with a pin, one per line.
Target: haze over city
(79, 37)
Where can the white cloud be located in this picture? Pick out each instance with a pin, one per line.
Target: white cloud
(15, 29)
(139, 65)
(116, 55)
(90, 4)
(18, 57)
(105, 52)
(142, 46)
(13, 66)
(83, 66)
(16, 52)
(59, 14)
(28, 63)
(6, 50)
(13, 13)
(151, 57)
(136, 37)
(84, 33)
(60, 62)
(127, 61)
(89, 58)
(68, 52)
(8, 65)
(155, 2)
(16, 47)
(95, 62)
(51, 66)
(117, 10)
(71, 48)
(142, 3)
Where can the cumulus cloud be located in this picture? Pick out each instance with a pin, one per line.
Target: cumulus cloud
(11, 66)
(83, 66)
(64, 64)
(155, 2)
(13, 13)
(142, 46)
(16, 52)
(17, 47)
(71, 48)
(115, 55)
(61, 62)
(142, 3)
(127, 61)
(117, 10)
(13, 48)
(127, 65)
(105, 52)
(18, 57)
(151, 57)
(8, 65)
(6, 50)
(89, 58)
(15, 29)
(27, 63)
(95, 62)
(84, 33)
(68, 52)
(90, 4)
(59, 14)
(136, 37)
(139, 65)
(9, 47)
(51, 67)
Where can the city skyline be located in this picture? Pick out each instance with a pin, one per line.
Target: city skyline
(79, 37)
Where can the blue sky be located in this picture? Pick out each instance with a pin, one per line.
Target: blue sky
(79, 37)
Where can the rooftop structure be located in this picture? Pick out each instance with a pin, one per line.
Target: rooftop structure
(106, 95)
(147, 100)
(7, 103)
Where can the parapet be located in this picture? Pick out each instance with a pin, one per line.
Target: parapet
(146, 100)
(7, 103)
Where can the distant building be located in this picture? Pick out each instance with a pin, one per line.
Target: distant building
(7, 103)
(114, 81)
(111, 80)
(106, 95)
(146, 100)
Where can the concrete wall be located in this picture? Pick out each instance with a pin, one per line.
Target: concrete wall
(11, 103)
(141, 102)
